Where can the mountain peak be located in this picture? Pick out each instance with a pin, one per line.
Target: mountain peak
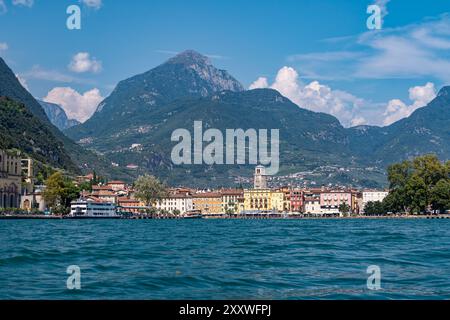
(189, 57)
(444, 92)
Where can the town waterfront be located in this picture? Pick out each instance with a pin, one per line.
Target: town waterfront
(225, 259)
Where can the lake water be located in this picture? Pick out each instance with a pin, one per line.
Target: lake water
(225, 259)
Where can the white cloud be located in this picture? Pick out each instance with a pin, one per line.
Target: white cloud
(3, 8)
(260, 83)
(77, 106)
(348, 109)
(23, 82)
(420, 97)
(316, 97)
(3, 46)
(82, 62)
(413, 51)
(25, 3)
(96, 4)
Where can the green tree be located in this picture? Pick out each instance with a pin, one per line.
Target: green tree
(344, 208)
(440, 195)
(149, 190)
(430, 169)
(416, 194)
(59, 192)
(86, 186)
(414, 185)
(393, 202)
(374, 208)
(398, 175)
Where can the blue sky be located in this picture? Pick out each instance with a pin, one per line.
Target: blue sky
(320, 54)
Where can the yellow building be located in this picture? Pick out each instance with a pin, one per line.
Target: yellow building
(207, 202)
(286, 198)
(277, 199)
(263, 200)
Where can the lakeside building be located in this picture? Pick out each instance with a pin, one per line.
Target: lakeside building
(232, 200)
(286, 198)
(356, 201)
(180, 202)
(128, 205)
(296, 200)
(207, 202)
(263, 200)
(34, 200)
(331, 200)
(92, 207)
(10, 179)
(104, 193)
(372, 196)
(311, 201)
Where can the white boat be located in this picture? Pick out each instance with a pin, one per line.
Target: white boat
(93, 209)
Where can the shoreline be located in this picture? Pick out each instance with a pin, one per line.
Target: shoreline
(257, 217)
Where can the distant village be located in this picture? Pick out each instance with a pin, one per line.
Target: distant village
(118, 199)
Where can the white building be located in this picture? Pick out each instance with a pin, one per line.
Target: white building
(180, 202)
(312, 206)
(92, 208)
(373, 196)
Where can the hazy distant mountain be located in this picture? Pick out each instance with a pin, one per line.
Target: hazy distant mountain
(57, 115)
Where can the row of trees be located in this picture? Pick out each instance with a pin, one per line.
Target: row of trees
(416, 186)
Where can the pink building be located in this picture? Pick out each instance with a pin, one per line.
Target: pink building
(331, 200)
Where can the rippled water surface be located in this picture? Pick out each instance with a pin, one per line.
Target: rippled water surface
(225, 259)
